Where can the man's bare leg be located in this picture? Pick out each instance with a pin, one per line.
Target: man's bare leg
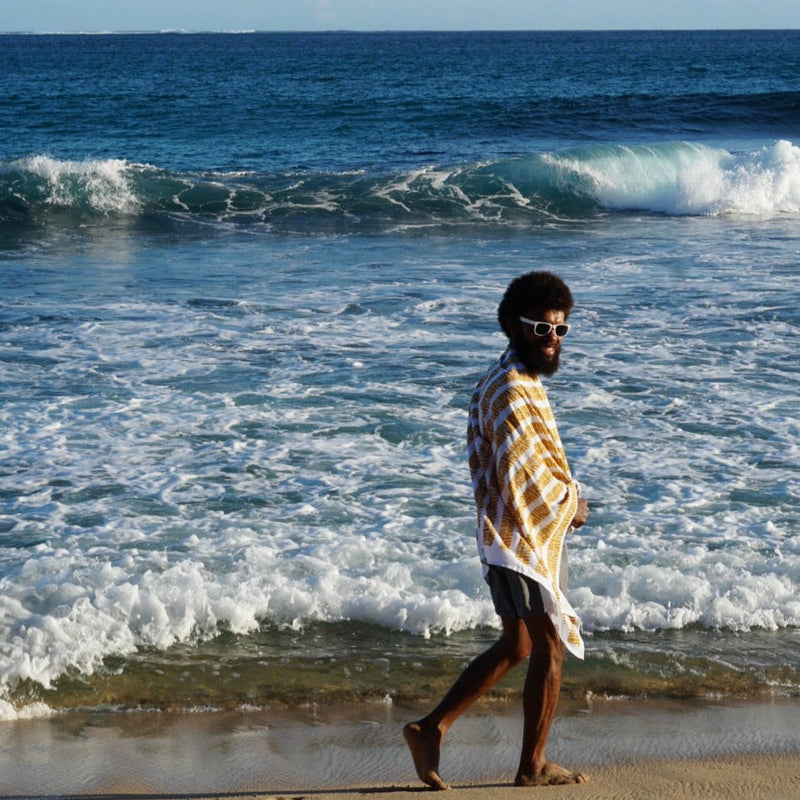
(424, 738)
(539, 702)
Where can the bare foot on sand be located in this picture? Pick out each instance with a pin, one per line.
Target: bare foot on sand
(551, 775)
(424, 749)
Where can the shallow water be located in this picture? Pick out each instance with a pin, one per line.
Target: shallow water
(327, 748)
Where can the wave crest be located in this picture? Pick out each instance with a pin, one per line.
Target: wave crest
(686, 179)
(679, 178)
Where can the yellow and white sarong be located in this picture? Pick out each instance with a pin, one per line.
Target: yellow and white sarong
(524, 492)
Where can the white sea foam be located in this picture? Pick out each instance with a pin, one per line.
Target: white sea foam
(290, 448)
(103, 185)
(685, 178)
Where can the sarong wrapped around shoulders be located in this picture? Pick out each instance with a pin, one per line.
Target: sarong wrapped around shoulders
(524, 492)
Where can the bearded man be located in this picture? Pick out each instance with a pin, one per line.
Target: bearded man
(526, 502)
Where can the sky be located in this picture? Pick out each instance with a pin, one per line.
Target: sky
(372, 15)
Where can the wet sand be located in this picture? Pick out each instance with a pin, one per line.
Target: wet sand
(750, 778)
(629, 749)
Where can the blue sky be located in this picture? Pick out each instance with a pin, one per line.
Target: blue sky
(280, 15)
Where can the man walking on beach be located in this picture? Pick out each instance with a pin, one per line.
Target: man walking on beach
(526, 502)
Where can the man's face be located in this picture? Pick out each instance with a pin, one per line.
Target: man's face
(540, 354)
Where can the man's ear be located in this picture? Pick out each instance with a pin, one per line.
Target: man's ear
(512, 327)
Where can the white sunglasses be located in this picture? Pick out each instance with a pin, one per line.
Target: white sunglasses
(544, 328)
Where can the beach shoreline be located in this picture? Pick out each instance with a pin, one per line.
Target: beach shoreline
(629, 748)
(749, 778)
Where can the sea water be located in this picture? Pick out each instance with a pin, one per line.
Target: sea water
(247, 283)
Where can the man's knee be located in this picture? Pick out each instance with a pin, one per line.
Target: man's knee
(546, 645)
(518, 651)
(516, 641)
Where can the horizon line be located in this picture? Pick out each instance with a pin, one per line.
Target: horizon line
(252, 31)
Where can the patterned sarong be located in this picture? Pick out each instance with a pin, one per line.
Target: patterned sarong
(524, 492)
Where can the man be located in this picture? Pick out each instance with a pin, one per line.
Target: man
(526, 502)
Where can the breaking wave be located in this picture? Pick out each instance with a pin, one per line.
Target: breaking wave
(678, 178)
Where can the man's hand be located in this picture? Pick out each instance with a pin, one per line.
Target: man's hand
(581, 514)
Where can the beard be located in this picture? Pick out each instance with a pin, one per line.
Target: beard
(535, 359)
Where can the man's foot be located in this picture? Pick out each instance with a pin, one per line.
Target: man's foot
(551, 775)
(424, 749)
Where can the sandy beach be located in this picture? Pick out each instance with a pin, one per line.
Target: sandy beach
(631, 749)
(749, 777)
(752, 777)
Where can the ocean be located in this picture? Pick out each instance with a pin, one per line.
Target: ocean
(247, 283)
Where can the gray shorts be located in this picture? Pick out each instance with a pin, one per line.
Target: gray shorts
(514, 594)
